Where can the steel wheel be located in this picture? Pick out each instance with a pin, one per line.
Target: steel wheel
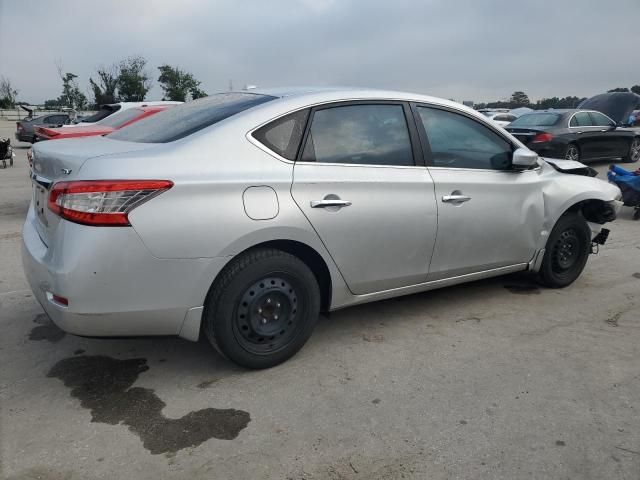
(262, 308)
(565, 251)
(265, 319)
(572, 153)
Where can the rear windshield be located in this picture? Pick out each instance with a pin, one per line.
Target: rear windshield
(183, 120)
(536, 120)
(116, 120)
(104, 112)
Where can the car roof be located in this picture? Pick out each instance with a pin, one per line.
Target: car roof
(314, 94)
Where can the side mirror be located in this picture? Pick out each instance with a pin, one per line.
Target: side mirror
(523, 158)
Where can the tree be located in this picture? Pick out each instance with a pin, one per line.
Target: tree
(519, 99)
(133, 80)
(177, 84)
(636, 89)
(618, 89)
(555, 102)
(105, 91)
(71, 96)
(7, 93)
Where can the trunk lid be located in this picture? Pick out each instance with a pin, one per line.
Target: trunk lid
(61, 160)
(525, 135)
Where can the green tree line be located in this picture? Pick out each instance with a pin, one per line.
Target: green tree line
(124, 81)
(521, 99)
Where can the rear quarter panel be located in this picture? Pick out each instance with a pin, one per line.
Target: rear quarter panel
(203, 214)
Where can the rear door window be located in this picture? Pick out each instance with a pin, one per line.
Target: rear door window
(362, 134)
(581, 119)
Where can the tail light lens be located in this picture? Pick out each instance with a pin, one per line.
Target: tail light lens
(542, 137)
(102, 202)
(19, 126)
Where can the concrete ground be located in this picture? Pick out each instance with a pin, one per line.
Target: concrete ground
(494, 379)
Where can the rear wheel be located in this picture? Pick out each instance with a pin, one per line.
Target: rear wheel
(263, 308)
(634, 151)
(572, 152)
(566, 251)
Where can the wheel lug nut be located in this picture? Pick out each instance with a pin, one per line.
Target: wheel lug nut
(275, 317)
(278, 305)
(268, 300)
(264, 320)
(259, 310)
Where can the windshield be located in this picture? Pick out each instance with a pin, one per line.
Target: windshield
(536, 120)
(186, 119)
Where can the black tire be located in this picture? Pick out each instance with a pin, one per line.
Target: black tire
(262, 309)
(572, 152)
(634, 151)
(566, 253)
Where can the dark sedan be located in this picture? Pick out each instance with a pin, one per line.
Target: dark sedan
(580, 135)
(25, 128)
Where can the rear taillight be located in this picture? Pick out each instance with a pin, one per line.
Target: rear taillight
(19, 126)
(102, 202)
(542, 137)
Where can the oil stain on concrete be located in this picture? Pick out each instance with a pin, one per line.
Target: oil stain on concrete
(103, 385)
(46, 330)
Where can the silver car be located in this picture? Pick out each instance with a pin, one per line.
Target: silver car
(243, 215)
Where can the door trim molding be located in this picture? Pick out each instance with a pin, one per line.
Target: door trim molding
(432, 285)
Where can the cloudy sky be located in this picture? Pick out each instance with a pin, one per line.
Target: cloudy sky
(462, 49)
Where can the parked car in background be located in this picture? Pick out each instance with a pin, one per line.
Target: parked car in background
(286, 203)
(501, 118)
(580, 135)
(105, 126)
(618, 106)
(25, 129)
(111, 108)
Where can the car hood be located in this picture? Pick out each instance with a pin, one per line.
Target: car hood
(616, 105)
(571, 167)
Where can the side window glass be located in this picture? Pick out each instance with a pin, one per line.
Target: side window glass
(359, 134)
(573, 122)
(458, 141)
(600, 120)
(283, 135)
(583, 119)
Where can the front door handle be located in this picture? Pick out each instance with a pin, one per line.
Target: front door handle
(455, 198)
(329, 203)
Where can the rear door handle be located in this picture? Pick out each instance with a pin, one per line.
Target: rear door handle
(329, 203)
(455, 198)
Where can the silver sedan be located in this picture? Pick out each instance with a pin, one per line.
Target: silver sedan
(241, 216)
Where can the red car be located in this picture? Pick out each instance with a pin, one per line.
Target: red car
(108, 125)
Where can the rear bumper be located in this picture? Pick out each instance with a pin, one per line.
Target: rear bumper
(548, 149)
(114, 286)
(24, 137)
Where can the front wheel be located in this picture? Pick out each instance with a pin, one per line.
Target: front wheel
(634, 151)
(263, 308)
(566, 251)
